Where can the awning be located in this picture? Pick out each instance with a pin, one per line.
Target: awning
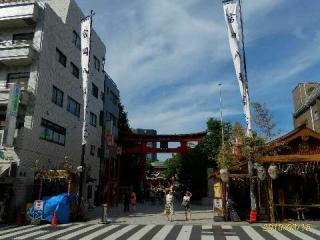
(4, 166)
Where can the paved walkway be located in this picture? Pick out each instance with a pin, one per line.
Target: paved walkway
(147, 214)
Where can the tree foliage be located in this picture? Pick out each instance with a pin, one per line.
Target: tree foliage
(262, 119)
(211, 143)
(191, 167)
(123, 122)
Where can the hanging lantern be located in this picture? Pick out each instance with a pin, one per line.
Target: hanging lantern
(224, 175)
(273, 171)
(261, 173)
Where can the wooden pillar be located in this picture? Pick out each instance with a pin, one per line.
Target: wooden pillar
(271, 204)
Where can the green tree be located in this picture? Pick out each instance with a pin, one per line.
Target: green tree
(123, 122)
(211, 143)
(174, 165)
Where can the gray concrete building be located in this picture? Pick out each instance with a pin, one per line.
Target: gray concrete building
(40, 51)
(306, 99)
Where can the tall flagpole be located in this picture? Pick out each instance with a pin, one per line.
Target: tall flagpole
(86, 27)
(249, 129)
(233, 17)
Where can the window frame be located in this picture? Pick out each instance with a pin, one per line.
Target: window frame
(76, 40)
(22, 40)
(96, 63)
(62, 58)
(93, 119)
(92, 150)
(73, 68)
(94, 90)
(55, 92)
(23, 76)
(77, 107)
(54, 129)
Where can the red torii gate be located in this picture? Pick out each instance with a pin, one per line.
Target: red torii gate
(164, 139)
(142, 141)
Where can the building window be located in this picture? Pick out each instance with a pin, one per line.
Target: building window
(61, 57)
(52, 132)
(95, 91)
(92, 150)
(114, 98)
(93, 119)
(74, 70)
(73, 107)
(20, 78)
(76, 40)
(96, 63)
(101, 118)
(57, 96)
(22, 38)
(113, 119)
(99, 152)
(102, 96)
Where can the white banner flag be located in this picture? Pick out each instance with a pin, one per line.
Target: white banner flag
(232, 12)
(85, 59)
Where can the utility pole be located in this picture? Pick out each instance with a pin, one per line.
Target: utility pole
(221, 118)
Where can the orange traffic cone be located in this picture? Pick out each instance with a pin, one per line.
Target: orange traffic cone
(253, 216)
(54, 221)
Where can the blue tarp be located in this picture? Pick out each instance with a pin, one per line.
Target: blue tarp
(59, 203)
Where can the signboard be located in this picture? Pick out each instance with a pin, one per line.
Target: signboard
(38, 205)
(11, 115)
(85, 59)
(217, 202)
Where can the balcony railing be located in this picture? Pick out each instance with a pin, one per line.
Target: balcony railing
(17, 52)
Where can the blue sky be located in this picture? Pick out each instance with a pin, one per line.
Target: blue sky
(168, 56)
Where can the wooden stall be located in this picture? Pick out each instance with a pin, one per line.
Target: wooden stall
(295, 192)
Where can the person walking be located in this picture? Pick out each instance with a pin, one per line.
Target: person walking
(169, 205)
(186, 204)
(133, 202)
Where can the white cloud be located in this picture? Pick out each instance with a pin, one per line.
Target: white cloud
(175, 52)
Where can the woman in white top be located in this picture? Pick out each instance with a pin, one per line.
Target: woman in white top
(169, 205)
(186, 205)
